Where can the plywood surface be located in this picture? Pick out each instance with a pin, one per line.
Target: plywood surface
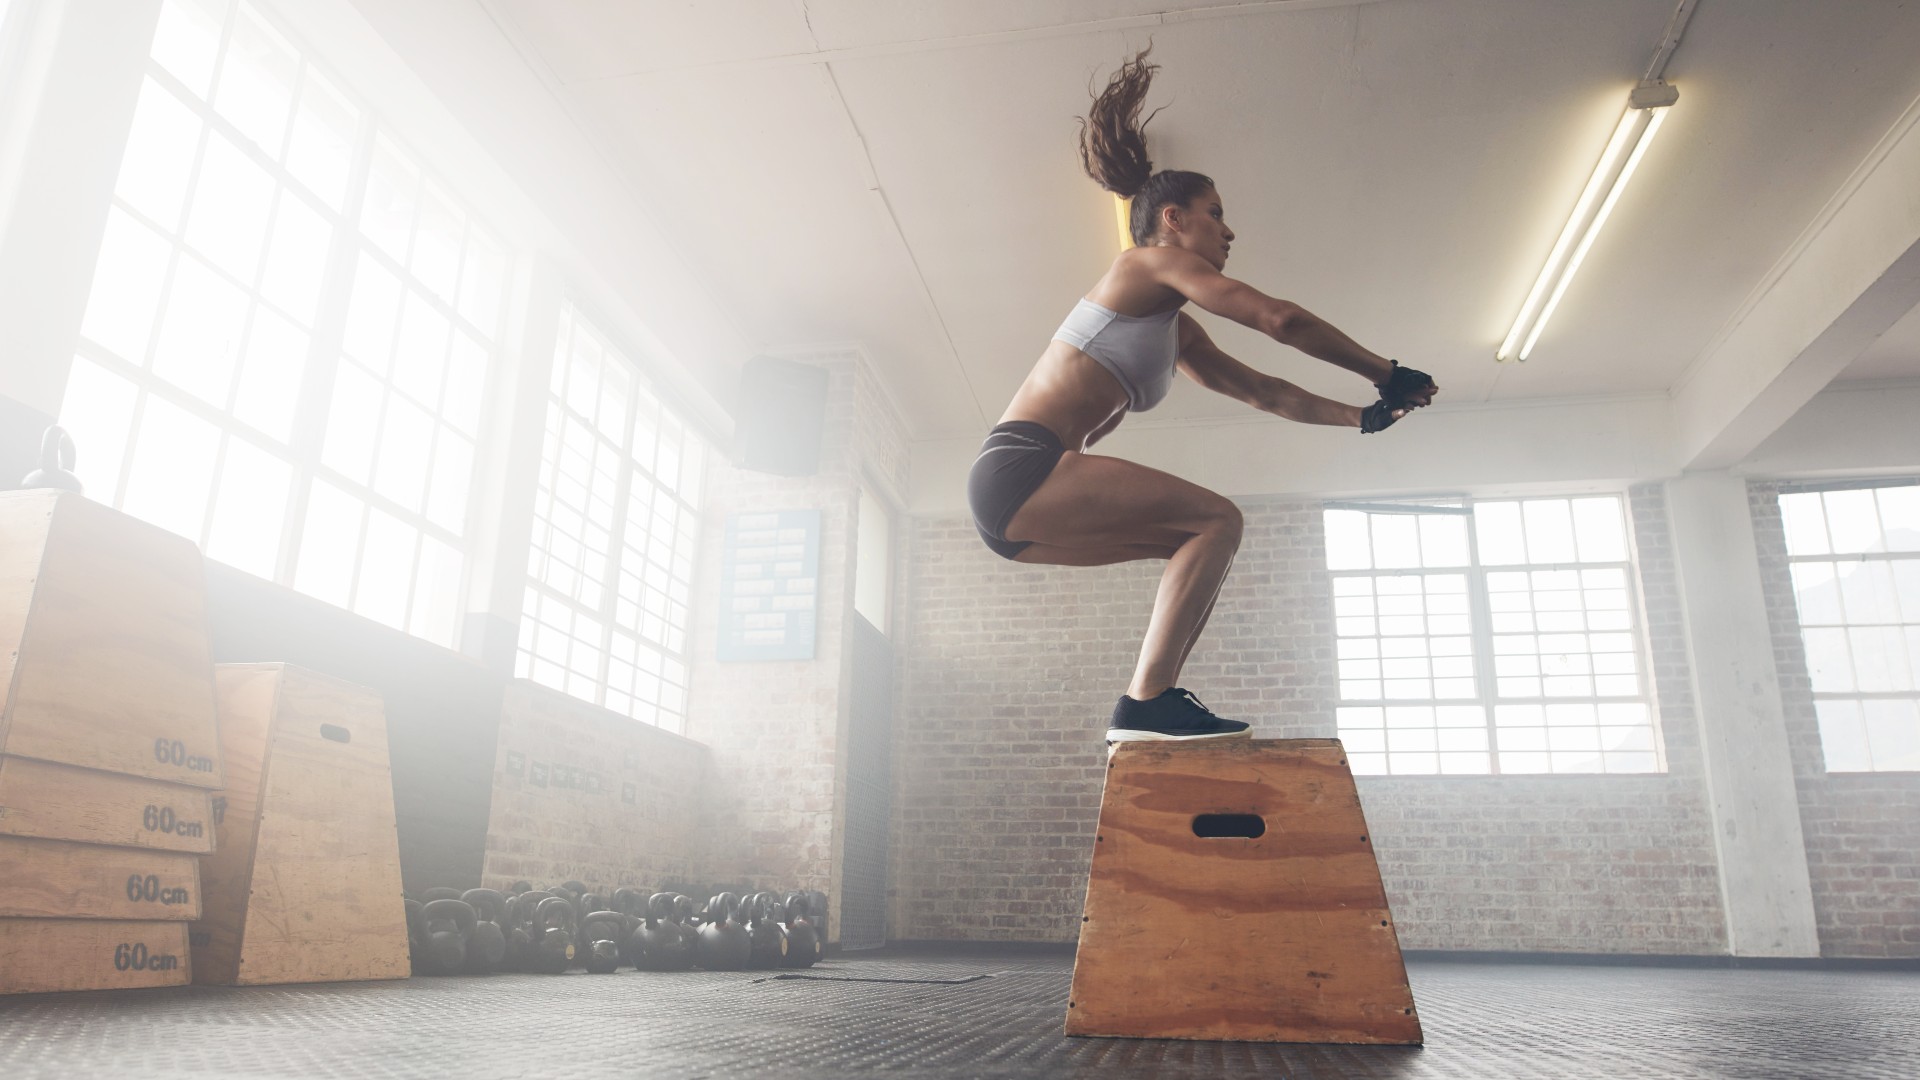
(61, 802)
(59, 879)
(39, 955)
(322, 894)
(114, 670)
(1283, 938)
(24, 519)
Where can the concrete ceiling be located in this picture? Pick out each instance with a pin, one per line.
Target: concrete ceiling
(903, 175)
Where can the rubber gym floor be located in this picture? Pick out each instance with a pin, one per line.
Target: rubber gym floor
(924, 1013)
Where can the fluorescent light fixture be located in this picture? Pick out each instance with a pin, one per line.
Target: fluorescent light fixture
(1646, 109)
(1123, 213)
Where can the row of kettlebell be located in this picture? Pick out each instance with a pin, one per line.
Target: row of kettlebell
(481, 930)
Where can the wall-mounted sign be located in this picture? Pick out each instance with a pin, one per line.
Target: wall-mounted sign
(770, 586)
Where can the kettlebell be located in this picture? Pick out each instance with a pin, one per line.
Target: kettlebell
(602, 931)
(522, 935)
(688, 924)
(56, 463)
(553, 936)
(448, 925)
(769, 938)
(725, 945)
(633, 904)
(487, 946)
(416, 936)
(817, 911)
(803, 942)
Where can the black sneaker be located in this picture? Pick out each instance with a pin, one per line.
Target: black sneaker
(1175, 714)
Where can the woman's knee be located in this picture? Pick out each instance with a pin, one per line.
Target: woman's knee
(1225, 518)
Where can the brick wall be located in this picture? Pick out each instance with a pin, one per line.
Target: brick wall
(1862, 830)
(581, 793)
(1008, 674)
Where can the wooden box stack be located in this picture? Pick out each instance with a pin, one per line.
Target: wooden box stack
(109, 752)
(304, 885)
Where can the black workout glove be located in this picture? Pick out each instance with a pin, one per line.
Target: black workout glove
(1402, 385)
(1377, 416)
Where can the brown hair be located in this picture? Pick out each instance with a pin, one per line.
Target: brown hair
(1113, 148)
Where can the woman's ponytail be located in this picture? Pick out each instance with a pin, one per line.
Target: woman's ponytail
(1113, 143)
(1113, 147)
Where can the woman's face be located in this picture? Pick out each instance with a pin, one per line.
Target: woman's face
(1200, 227)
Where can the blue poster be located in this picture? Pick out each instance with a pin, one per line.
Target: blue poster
(770, 586)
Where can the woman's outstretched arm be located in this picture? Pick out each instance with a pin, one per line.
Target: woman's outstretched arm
(1282, 320)
(1205, 363)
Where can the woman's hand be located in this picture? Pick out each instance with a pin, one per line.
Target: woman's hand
(1406, 388)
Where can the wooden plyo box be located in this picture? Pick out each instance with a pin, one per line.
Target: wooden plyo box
(57, 879)
(40, 955)
(104, 660)
(1234, 895)
(60, 802)
(304, 883)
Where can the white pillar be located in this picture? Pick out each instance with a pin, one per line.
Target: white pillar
(65, 131)
(1756, 810)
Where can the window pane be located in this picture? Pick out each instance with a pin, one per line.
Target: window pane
(256, 80)
(249, 506)
(1900, 517)
(386, 218)
(373, 315)
(436, 244)
(1806, 524)
(1816, 593)
(1853, 521)
(158, 164)
(232, 205)
(187, 40)
(1348, 547)
(1599, 531)
(353, 423)
(173, 468)
(483, 281)
(320, 153)
(1843, 736)
(386, 570)
(1498, 533)
(270, 374)
(126, 287)
(1549, 531)
(297, 258)
(98, 413)
(330, 544)
(436, 601)
(420, 360)
(200, 335)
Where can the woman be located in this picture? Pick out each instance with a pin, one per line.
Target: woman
(1038, 496)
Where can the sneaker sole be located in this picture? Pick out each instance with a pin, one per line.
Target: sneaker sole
(1118, 735)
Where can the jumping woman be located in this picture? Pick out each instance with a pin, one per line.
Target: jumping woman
(1038, 497)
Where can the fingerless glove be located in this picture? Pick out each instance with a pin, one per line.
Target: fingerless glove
(1377, 416)
(1402, 382)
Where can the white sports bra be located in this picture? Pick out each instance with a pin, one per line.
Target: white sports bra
(1139, 350)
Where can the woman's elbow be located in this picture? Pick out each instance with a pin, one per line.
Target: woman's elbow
(1284, 321)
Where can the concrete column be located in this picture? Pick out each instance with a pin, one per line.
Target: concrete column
(1756, 811)
(66, 128)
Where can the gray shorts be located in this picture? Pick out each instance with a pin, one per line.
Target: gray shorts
(1016, 459)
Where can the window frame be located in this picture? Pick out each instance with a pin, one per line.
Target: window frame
(302, 450)
(1483, 636)
(1815, 696)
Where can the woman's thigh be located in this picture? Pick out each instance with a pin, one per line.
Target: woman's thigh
(1053, 555)
(1105, 502)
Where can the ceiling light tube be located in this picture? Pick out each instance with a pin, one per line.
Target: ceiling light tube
(1631, 136)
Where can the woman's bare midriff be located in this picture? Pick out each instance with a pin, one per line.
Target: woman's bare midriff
(1070, 394)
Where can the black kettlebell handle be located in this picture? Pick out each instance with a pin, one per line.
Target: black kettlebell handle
(551, 909)
(56, 449)
(488, 904)
(459, 912)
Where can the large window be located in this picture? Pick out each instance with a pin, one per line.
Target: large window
(1855, 559)
(615, 525)
(1489, 637)
(291, 325)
